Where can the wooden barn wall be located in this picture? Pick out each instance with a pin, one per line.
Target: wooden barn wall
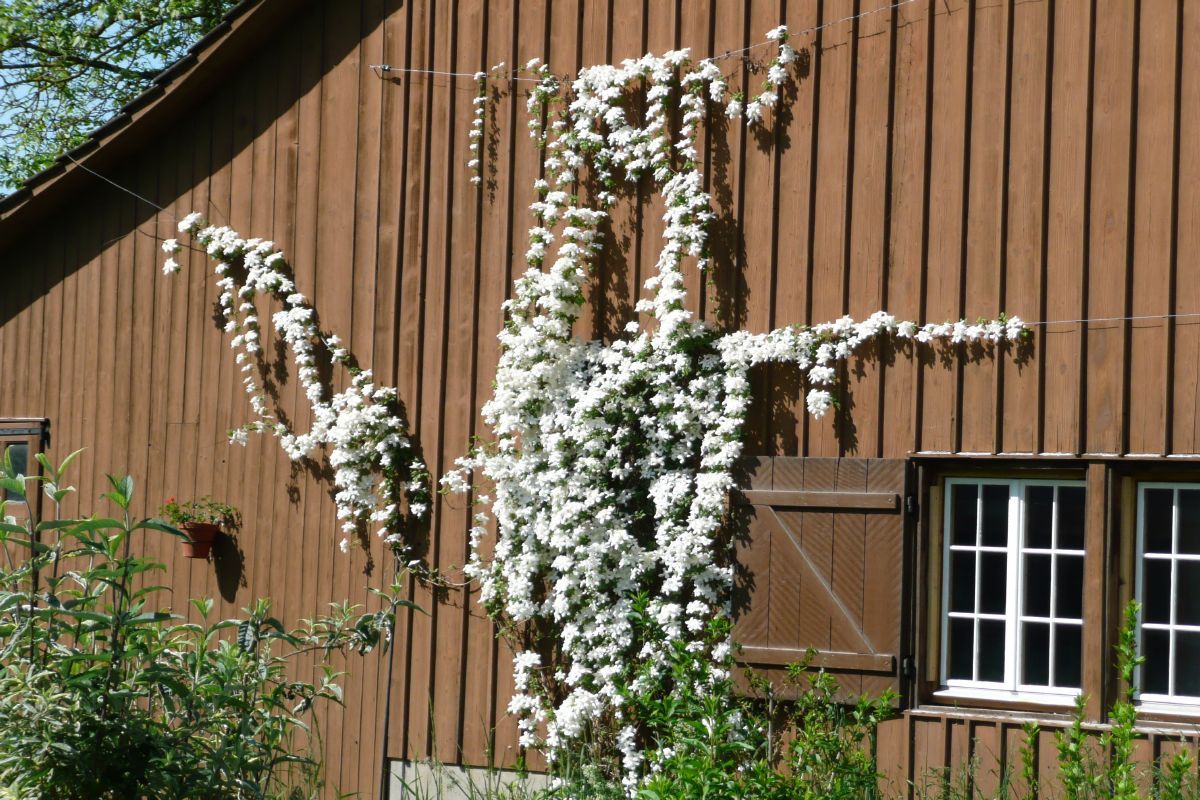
(924, 753)
(940, 159)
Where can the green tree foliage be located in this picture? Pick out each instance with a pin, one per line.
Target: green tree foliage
(105, 694)
(66, 66)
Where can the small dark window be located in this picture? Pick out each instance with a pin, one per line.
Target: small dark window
(18, 459)
(21, 440)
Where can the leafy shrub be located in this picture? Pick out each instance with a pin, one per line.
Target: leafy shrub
(1108, 768)
(102, 695)
(713, 743)
(833, 752)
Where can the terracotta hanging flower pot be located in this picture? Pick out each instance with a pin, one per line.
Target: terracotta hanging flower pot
(200, 539)
(200, 520)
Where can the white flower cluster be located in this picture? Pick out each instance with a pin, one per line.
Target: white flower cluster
(170, 247)
(612, 462)
(374, 463)
(475, 135)
(777, 74)
(540, 97)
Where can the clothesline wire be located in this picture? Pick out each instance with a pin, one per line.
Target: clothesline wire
(727, 54)
(128, 191)
(1130, 318)
(816, 28)
(1080, 321)
(1044, 322)
(380, 69)
(384, 68)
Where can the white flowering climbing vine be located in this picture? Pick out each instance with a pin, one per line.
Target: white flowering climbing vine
(612, 462)
(377, 470)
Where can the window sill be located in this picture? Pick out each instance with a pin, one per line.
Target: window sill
(961, 697)
(1168, 710)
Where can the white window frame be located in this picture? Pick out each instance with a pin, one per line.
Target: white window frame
(1169, 703)
(1010, 689)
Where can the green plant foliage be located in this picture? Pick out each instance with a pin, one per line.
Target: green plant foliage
(1176, 778)
(204, 510)
(1119, 782)
(68, 65)
(833, 752)
(717, 744)
(103, 694)
(1105, 766)
(725, 746)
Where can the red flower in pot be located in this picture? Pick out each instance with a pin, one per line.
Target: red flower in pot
(201, 520)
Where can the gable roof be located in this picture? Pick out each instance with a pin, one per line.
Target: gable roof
(205, 64)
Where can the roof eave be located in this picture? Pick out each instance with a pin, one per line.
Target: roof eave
(204, 65)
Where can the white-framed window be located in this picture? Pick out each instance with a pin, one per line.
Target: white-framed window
(1012, 589)
(1168, 587)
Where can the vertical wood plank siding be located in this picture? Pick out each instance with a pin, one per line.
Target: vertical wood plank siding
(924, 753)
(941, 159)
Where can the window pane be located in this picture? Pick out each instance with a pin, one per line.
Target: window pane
(995, 516)
(1187, 594)
(1067, 655)
(1039, 514)
(962, 581)
(18, 455)
(1156, 591)
(1035, 654)
(1189, 521)
(993, 582)
(1156, 645)
(1070, 517)
(1157, 520)
(1187, 664)
(1037, 585)
(962, 648)
(963, 497)
(991, 650)
(1068, 601)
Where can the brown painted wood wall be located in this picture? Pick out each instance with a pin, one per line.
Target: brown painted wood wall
(941, 159)
(923, 753)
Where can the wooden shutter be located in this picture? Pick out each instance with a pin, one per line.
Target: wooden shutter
(821, 564)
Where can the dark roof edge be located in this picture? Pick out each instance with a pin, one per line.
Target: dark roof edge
(199, 69)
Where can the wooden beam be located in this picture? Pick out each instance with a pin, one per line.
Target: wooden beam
(821, 659)
(871, 501)
(1095, 655)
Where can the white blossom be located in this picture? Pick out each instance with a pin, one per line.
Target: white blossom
(611, 463)
(368, 445)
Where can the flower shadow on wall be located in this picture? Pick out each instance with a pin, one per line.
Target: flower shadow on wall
(358, 444)
(274, 375)
(775, 421)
